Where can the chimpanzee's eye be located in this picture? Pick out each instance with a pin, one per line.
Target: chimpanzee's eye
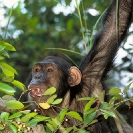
(37, 68)
(49, 70)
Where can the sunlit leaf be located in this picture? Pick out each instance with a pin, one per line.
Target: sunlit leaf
(7, 69)
(62, 115)
(4, 116)
(13, 128)
(89, 111)
(50, 91)
(7, 79)
(14, 104)
(19, 85)
(127, 88)
(4, 53)
(15, 115)
(86, 98)
(57, 101)
(54, 122)
(88, 105)
(114, 91)
(106, 116)
(25, 111)
(7, 46)
(2, 47)
(50, 127)
(1, 57)
(39, 118)
(44, 105)
(74, 115)
(102, 95)
(27, 117)
(51, 99)
(6, 89)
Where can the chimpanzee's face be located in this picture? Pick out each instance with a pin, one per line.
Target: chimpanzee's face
(52, 72)
(44, 76)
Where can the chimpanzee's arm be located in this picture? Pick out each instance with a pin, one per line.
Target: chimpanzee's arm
(106, 43)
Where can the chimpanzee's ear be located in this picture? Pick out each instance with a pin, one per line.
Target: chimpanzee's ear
(74, 76)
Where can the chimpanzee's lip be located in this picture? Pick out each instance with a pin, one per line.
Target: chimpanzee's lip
(36, 91)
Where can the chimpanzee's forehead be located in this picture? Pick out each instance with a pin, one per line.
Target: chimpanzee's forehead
(57, 61)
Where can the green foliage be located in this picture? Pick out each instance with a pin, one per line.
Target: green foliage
(14, 104)
(50, 91)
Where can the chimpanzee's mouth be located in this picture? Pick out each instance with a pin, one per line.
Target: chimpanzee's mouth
(36, 91)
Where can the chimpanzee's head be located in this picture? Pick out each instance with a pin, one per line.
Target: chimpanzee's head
(53, 72)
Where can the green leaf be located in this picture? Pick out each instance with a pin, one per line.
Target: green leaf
(15, 115)
(1, 57)
(4, 53)
(19, 85)
(7, 46)
(13, 128)
(104, 105)
(94, 121)
(27, 117)
(7, 69)
(62, 115)
(50, 127)
(90, 118)
(107, 112)
(102, 95)
(25, 111)
(7, 79)
(57, 101)
(106, 116)
(89, 111)
(2, 47)
(68, 130)
(39, 118)
(51, 99)
(75, 115)
(14, 104)
(48, 130)
(127, 88)
(113, 99)
(114, 91)
(54, 122)
(31, 123)
(88, 105)
(50, 91)
(4, 116)
(6, 89)
(86, 98)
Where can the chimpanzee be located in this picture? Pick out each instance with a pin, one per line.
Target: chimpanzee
(73, 83)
